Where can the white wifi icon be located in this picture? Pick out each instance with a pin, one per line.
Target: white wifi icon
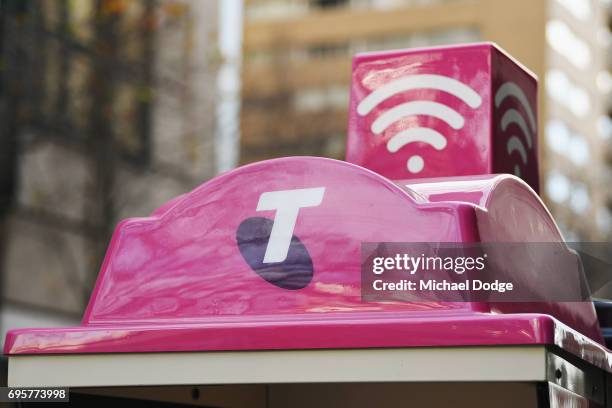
(515, 144)
(420, 107)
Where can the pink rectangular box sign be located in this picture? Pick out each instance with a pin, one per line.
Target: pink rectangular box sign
(443, 111)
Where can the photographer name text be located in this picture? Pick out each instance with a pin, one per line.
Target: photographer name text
(452, 265)
(442, 285)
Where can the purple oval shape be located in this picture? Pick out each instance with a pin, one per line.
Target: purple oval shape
(295, 272)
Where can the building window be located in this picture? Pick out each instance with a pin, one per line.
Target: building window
(604, 81)
(558, 187)
(604, 127)
(557, 136)
(580, 202)
(581, 9)
(567, 93)
(563, 141)
(328, 3)
(562, 190)
(604, 220)
(565, 42)
(579, 152)
(317, 99)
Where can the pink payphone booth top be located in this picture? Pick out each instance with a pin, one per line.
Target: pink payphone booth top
(200, 273)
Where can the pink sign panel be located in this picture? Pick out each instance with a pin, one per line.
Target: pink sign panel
(268, 257)
(444, 111)
(276, 237)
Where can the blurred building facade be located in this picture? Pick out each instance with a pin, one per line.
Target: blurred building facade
(296, 73)
(108, 112)
(575, 136)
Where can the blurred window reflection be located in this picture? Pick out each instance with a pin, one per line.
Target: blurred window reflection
(580, 201)
(604, 127)
(604, 219)
(567, 93)
(557, 187)
(581, 9)
(564, 41)
(563, 141)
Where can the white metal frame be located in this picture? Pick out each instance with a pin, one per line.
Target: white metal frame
(430, 364)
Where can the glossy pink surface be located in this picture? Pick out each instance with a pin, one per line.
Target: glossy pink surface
(443, 111)
(509, 211)
(180, 280)
(334, 330)
(184, 265)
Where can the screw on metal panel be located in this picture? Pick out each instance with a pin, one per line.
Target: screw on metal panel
(558, 373)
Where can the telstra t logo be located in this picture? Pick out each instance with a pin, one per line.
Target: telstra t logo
(270, 247)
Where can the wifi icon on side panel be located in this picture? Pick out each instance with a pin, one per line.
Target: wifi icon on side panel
(435, 109)
(526, 123)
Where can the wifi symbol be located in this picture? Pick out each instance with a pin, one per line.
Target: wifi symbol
(412, 108)
(513, 116)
